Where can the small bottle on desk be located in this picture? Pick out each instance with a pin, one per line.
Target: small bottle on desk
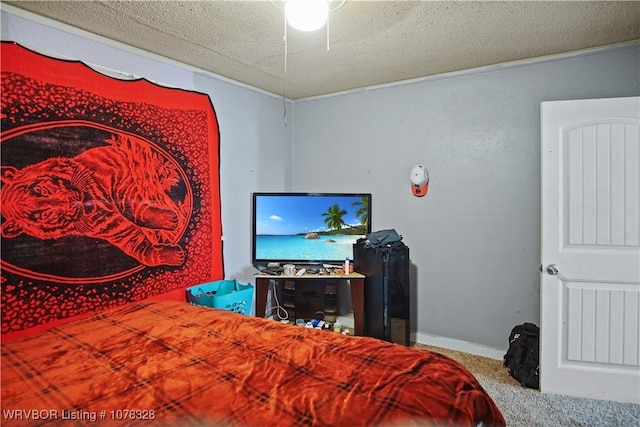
(346, 265)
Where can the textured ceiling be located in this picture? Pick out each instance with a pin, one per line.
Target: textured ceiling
(370, 42)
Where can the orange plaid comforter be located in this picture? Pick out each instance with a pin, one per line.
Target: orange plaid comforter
(171, 363)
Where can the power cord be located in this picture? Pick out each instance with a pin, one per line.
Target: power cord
(278, 308)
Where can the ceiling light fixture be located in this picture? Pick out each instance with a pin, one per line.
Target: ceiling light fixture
(308, 15)
(304, 15)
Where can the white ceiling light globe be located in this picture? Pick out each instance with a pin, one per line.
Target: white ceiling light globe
(306, 15)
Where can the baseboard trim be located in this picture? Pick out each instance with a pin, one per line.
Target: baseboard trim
(459, 345)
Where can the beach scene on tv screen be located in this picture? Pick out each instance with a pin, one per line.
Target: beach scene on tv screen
(309, 227)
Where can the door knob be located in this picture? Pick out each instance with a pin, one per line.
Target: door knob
(552, 269)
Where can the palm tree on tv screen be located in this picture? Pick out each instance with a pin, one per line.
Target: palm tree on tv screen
(363, 210)
(333, 217)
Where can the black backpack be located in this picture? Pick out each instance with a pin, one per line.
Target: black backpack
(522, 357)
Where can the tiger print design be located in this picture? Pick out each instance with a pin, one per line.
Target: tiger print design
(115, 193)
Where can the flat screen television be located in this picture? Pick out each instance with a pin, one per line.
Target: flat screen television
(308, 228)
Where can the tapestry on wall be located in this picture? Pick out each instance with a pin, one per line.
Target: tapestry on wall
(110, 190)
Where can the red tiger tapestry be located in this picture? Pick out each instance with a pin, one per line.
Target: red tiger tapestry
(110, 190)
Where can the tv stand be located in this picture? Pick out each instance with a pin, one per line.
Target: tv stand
(356, 282)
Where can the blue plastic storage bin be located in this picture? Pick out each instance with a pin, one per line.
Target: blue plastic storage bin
(222, 294)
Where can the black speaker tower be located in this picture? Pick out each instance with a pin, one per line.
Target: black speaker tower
(386, 290)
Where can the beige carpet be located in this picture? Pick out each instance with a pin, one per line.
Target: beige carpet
(527, 407)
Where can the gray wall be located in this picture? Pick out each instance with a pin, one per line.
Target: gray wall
(474, 238)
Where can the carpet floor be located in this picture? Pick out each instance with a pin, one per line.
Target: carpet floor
(523, 407)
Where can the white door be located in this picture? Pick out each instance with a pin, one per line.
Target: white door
(590, 282)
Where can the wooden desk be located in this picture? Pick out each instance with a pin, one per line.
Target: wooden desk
(356, 282)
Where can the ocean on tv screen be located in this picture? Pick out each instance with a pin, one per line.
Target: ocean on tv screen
(299, 247)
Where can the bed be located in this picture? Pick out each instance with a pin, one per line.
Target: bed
(178, 364)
